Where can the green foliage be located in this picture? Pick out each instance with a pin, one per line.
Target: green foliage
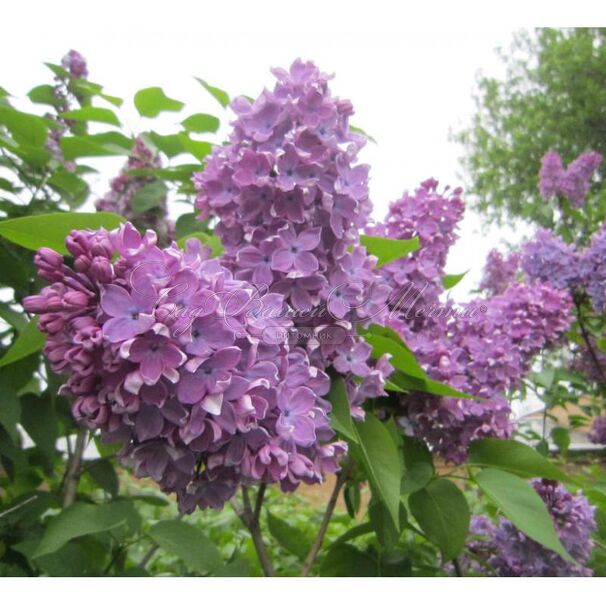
(521, 504)
(387, 250)
(443, 514)
(152, 101)
(552, 97)
(187, 542)
(50, 230)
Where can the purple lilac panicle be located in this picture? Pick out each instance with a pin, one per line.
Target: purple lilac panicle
(499, 272)
(483, 347)
(510, 553)
(572, 182)
(547, 258)
(164, 353)
(124, 187)
(593, 270)
(291, 199)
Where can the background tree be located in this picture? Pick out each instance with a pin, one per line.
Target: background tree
(552, 97)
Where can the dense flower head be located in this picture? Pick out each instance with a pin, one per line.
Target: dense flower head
(598, 430)
(510, 553)
(499, 272)
(484, 349)
(291, 198)
(547, 258)
(124, 187)
(167, 352)
(432, 216)
(572, 182)
(593, 270)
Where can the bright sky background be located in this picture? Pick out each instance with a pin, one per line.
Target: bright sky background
(410, 74)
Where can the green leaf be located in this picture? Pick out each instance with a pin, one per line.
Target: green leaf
(401, 358)
(408, 383)
(381, 459)
(28, 341)
(210, 240)
(92, 114)
(347, 561)
(452, 280)
(387, 250)
(188, 543)
(44, 94)
(25, 128)
(152, 101)
(82, 519)
(170, 145)
(198, 149)
(521, 504)
(10, 410)
(353, 533)
(514, 457)
(341, 420)
(201, 123)
(111, 143)
(443, 514)
(104, 475)
(561, 438)
(51, 230)
(360, 131)
(72, 188)
(14, 318)
(151, 195)
(40, 422)
(418, 464)
(290, 537)
(187, 224)
(220, 95)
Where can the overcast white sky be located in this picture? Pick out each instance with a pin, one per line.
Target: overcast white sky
(410, 73)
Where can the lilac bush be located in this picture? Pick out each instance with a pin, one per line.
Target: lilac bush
(164, 352)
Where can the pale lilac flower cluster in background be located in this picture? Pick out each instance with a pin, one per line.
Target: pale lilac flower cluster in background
(164, 352)
(593, 270)
(75, 68)
(432, 216)
(484, 354)
(547, 258)
(572, 182)
(291, 200)
(507, 552)
(119, 199)
(499, 272)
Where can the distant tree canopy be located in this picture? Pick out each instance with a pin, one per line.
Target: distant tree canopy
(552, 97)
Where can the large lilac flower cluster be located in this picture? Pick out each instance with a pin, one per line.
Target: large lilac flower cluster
(124, 187)
(593, 270)
(485, 350)
(165, 352)
(432, 216)
(499, 272)
(75, 68)
(510, 553)
(572, 182)
(547, 258)
(291, 200)
(598, 430)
